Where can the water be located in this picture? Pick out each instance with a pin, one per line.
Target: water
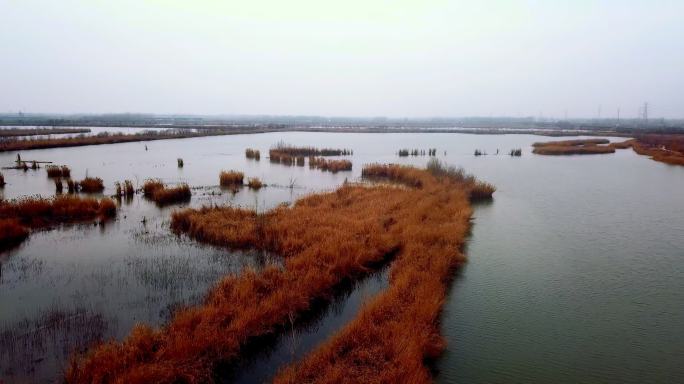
(575, 271)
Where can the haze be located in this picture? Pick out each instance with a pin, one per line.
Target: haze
(348, 58)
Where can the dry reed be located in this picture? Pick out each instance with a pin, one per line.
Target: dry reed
(667, 149)
(324, 239)
(231, 178)
(253, 154)
(254, 183)
(573, 147)
(91, 185)
(333, 166)
(58, 171)
(35, 212)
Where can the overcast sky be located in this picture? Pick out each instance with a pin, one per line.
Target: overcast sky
(344, 58)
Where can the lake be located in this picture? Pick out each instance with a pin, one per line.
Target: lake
(575, 272)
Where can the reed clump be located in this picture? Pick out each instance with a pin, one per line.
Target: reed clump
(59, 186)
(36, 212)
(150, 186)
(333, 166)
(72, 186)
(180, 162)
(11, 233)
(288, 155)
(324, 239)
(254, 183)
(667, 149)
(124, 190)
(231, 178)
(91, 185)
(155, 190)
(172, 195)
(574, 147)
(417, 152)
(516, 152)
(58, 171)
(253, 154)
(2, 180)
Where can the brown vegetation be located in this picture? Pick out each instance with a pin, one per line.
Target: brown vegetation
(57, 171)
(231, 178)
(12, 132)
(107, 138)
(333, 166)
(288, 155)
(254, 183)
(252, 154)
(155, 190)
(18, 216)
(91, 185)
(324, 239)
(573, 147)
(126, 189)
(417, 152)
(667, 149)
(11, 233)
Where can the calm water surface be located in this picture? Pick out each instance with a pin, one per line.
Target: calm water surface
(575, 274)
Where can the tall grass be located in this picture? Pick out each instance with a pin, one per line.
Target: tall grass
(36, 212)
(231, 178)
(155, 190)
(333, 166)
(91, 185)
(254, 183)
(573, 147)
(58, 171)
(253, 154)
(11, 233)
(150, 186)
(124, 190)
(324, 239)
(417, 152)
(667, 149)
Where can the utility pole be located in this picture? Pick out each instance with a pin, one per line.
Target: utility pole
(618, 116)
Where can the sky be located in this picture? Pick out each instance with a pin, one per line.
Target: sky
(551, 58)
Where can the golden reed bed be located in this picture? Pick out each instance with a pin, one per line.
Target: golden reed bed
(323, 239)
